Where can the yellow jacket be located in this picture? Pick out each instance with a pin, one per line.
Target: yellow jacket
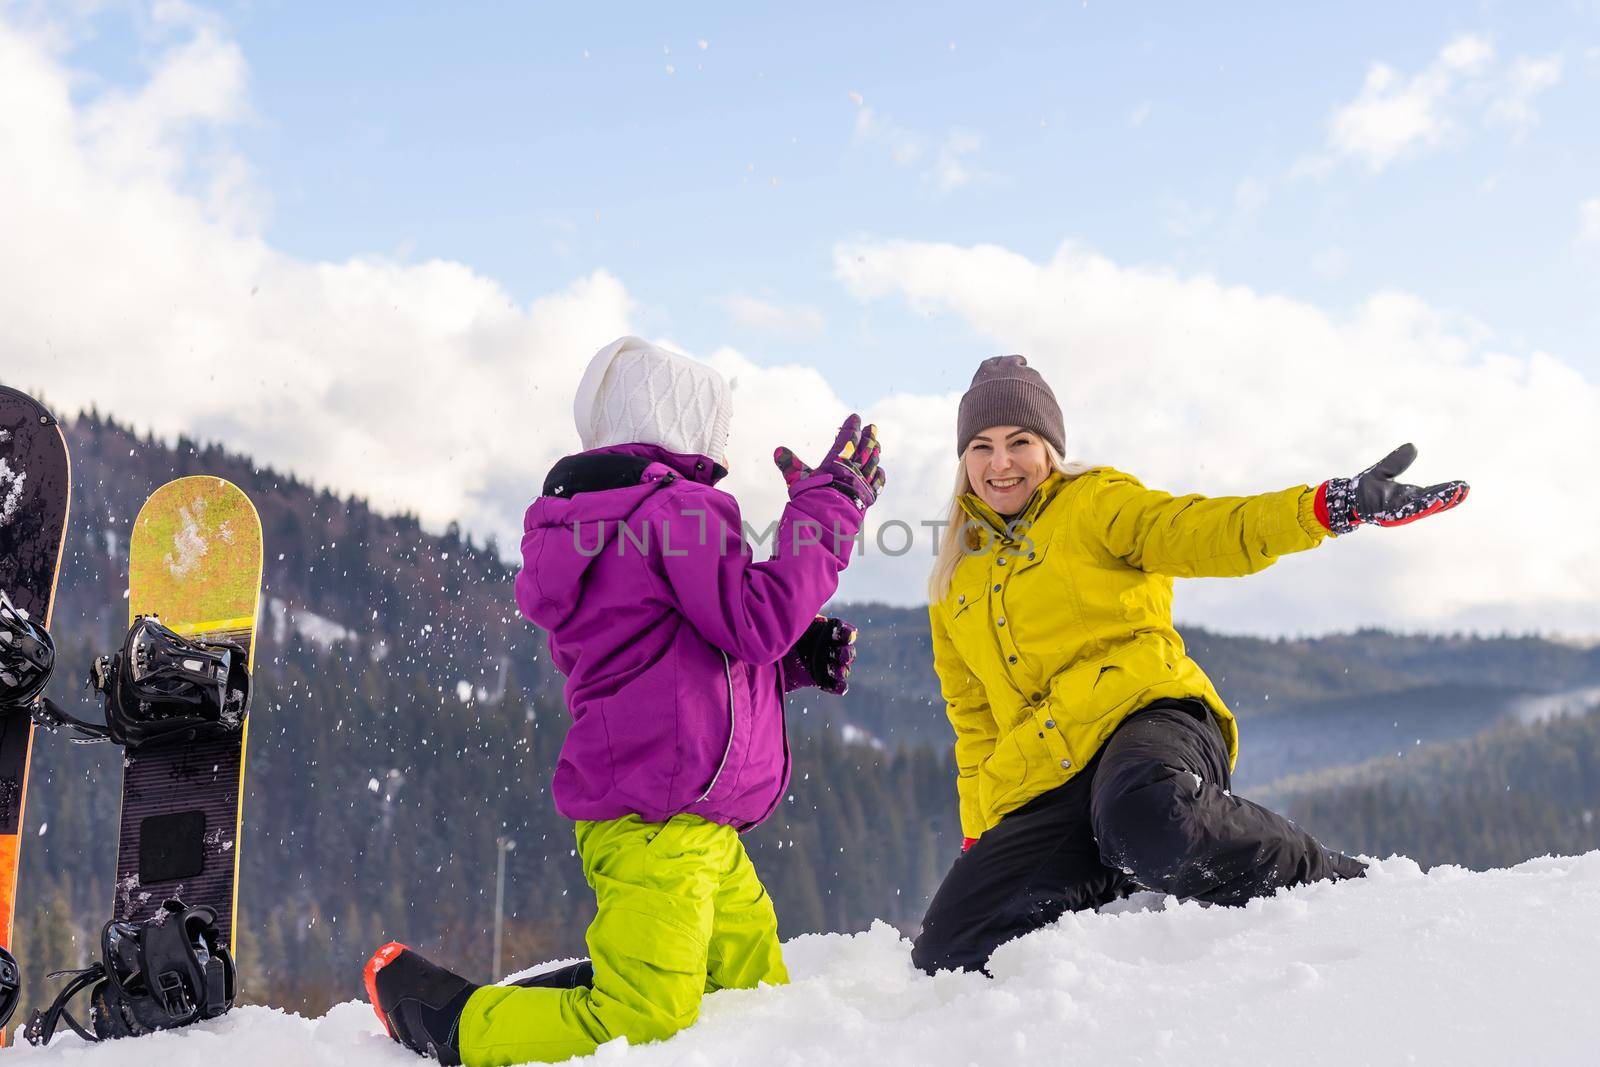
(1048, 639)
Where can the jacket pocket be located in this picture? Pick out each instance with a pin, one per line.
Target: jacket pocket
(722, 772)
(1018, 758)
(960, 601)
(1094, 690)
(970, 618)
(1029, 556)
(633, 742)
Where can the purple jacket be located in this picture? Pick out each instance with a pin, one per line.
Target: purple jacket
(668, 632)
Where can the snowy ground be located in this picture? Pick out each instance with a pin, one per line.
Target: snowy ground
(1448, 967)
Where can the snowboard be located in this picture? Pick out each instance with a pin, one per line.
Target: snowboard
(35, 484)
(194, 560)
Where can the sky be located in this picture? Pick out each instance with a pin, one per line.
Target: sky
(1250, 247)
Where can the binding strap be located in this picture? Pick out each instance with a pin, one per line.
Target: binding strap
(161, 688)
(42, 1026)
(10, 986)
(52, 716)
(159, 974)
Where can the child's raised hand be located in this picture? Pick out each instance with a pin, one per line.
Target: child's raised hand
(852, 463)
(790, 466)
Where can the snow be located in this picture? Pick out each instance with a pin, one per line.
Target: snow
(1401, 967)
(188, 546)
(310, 626)
(11, 483)
(852, 734)
(1580, 701)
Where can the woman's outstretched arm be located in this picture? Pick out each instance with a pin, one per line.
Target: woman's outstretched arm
(1221, 537)
(1195, 536)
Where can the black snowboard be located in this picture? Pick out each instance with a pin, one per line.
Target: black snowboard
(35, 483)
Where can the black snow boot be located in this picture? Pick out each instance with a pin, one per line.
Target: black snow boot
(419, 1002)
(571, 976)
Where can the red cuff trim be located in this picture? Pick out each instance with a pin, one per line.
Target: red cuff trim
(968, 842)
(1322, 507)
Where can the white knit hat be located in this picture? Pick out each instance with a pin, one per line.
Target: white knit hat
(636, 392)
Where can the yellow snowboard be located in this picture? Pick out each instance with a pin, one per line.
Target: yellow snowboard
(194, 560)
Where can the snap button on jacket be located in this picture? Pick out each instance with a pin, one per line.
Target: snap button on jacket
(1041, 659)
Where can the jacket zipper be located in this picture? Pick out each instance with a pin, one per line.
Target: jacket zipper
(727, 674)
(783, 728)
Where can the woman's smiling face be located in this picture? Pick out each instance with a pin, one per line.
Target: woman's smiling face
(1005, 464)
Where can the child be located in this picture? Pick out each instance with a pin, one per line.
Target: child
(677, 649)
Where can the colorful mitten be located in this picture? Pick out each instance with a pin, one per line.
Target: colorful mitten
(1374, 496)
(851, 465)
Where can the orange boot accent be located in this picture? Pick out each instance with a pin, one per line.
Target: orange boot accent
(369, 974)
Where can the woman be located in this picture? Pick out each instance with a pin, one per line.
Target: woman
(1093, 755)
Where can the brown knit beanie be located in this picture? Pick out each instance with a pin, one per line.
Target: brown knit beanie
(1008, 392)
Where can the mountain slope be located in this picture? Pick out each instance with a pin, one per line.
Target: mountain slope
(1517, 790)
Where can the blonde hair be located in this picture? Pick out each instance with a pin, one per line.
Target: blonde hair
(960, 537)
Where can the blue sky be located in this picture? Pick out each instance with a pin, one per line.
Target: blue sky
(493, 134)
(1251, 246)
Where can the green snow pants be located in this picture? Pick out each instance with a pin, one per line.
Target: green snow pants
(681, 913)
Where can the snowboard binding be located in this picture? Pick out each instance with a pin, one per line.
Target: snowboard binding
(163, 688)
(10, 986)
(159, 974)
(27, 657)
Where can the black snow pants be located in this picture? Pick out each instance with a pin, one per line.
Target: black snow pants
(1151, 811)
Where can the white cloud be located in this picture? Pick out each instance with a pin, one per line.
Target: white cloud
(1196, 385)
(946, 164)
(1394, 113)
(765, 317)
(1589, 220)
(905, 146)
(952, 168)
(134, 276)
(1466, 54)
(1527, 78)
(143, 283)
(139, 283)
(1395, 116)
(1138, 115)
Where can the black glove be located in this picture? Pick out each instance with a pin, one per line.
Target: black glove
(1374, 496)
(821, 657)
